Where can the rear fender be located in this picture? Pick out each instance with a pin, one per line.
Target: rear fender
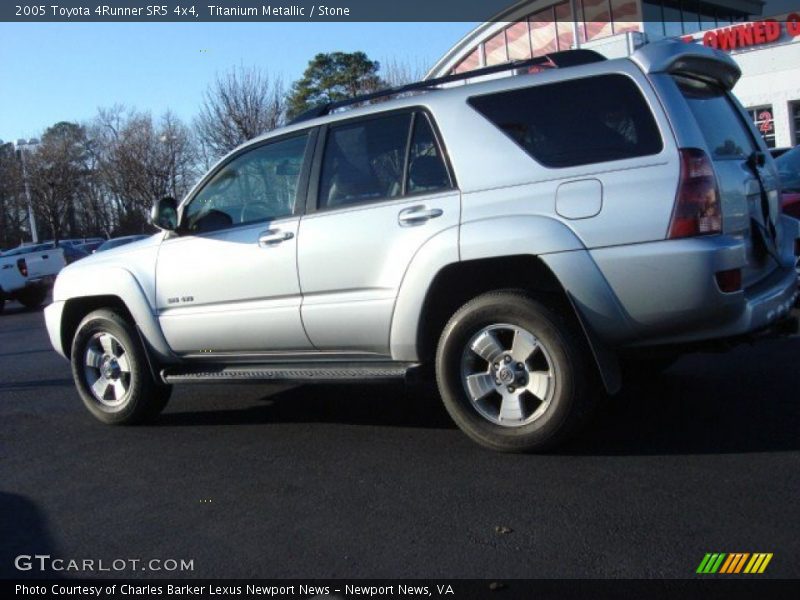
(553, 242)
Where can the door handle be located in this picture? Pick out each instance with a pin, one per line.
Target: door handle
(416, 215)
(273, 237)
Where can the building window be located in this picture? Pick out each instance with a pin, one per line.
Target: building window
(625, 15)
(653, 18)
(519, 41)
(597, 19)
(564, 25)
(673, 18)
(496, 49)
(794, 114)
(543, 32)
(470, 63)
(764, 121)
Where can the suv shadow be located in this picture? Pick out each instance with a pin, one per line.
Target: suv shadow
(705, 404)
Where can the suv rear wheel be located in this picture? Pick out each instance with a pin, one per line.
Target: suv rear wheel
(111, 371)
(513, 373)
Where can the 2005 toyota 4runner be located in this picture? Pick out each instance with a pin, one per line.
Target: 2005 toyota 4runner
(518, 235)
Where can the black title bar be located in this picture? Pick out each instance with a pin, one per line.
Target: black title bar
(301, 10)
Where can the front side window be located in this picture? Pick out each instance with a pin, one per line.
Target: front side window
(576, 122)
(364, 161)
(259, 185)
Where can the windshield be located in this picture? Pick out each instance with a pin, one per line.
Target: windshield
(789, 169)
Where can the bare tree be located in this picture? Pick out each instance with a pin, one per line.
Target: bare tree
(140, 161)
(13, 208)
(238, 106)
(56, 175)
(396, 72)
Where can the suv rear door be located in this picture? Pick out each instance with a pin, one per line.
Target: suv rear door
(747, 181)
(380, 190)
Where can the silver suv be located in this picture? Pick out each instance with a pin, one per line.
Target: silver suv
(517, 237)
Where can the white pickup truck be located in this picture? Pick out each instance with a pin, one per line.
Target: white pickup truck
(28, 272)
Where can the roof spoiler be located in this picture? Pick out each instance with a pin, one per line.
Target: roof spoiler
(689, 59)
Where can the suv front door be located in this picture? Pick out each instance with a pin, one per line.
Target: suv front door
(380, 191)
(227, 283)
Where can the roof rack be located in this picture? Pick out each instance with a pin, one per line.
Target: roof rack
(566, 58)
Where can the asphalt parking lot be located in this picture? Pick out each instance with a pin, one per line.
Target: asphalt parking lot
(375, 481)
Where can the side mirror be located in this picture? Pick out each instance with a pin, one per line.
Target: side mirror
(164, 214)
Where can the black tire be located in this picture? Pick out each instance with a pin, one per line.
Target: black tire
(571, 393)
(2, 301)
(32, 297)
(143, 397)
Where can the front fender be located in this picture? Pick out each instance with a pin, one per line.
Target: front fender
(86, 281)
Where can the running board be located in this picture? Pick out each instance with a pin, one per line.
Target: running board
(322, 372)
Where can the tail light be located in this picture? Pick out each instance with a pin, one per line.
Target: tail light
(698, 210)
(22, 266)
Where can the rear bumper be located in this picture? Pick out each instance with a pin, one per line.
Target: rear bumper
(764, 307)
(52, 320)
(668, 292)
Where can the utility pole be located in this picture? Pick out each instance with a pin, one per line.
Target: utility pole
(21, 145)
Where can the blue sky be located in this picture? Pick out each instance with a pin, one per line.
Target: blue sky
(51, 72)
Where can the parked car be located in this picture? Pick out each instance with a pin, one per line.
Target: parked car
(789, 171)
(27, 273)
(72, 251)
(120, 241)
(516, 237)
(90, 247)
(777, 152)
(80, 241)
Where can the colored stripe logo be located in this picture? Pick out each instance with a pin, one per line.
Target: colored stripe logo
(734, 563)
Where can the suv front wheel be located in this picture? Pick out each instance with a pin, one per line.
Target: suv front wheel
(513, 374)
(111, 371)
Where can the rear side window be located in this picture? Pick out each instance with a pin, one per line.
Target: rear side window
(725, 132)
(577, 122)
(426, 169)
(364, 161)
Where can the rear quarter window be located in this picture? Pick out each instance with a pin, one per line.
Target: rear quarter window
(576, 122)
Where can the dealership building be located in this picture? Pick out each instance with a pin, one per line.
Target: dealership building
(766, 47)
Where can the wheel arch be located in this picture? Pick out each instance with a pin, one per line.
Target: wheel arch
(86, 290)
(456, 283)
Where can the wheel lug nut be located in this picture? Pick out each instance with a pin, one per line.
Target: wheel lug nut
(507, 359)
(511, 389)
(520, 366)
(497, 365)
